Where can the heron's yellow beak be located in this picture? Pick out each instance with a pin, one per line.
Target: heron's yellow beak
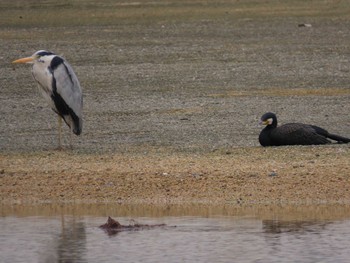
(24, 60)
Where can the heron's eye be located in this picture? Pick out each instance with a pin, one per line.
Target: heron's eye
(40, 60)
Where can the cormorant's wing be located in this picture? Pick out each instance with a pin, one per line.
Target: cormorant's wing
(335, 137)
(298, 134)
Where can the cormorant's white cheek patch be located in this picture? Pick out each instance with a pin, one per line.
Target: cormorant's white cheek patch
(270, 121)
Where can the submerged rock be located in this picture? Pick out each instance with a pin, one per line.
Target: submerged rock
(113, 227)
(111, 223)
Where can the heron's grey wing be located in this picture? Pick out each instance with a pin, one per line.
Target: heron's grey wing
(68, 87)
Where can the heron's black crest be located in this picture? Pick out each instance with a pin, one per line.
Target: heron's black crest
(44, 53)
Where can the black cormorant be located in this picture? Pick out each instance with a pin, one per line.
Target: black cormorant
(294, 133)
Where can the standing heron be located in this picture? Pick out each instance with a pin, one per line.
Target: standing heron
(59, 86)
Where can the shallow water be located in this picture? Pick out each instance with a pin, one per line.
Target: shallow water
(206, 237)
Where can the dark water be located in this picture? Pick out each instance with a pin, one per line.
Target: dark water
(203, 238)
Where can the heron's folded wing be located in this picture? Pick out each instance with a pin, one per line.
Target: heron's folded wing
(68, 87)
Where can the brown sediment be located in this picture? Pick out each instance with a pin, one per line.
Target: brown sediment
(256, 175)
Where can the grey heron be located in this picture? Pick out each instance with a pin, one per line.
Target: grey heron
(59, 86)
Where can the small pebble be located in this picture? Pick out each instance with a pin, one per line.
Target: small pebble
(304, 25)
(272, 174)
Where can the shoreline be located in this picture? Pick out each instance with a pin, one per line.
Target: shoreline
(282, 176)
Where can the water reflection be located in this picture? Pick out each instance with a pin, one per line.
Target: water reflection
(71, 242)
(61, 240)
(233, 236)
(307, 241)
(277, 227)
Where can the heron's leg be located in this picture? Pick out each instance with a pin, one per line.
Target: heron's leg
(59, 132)
(70, 138)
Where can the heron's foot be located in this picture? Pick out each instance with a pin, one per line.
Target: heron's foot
(59, 148)
(64, 148)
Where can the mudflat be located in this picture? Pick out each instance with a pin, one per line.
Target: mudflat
(173, 92)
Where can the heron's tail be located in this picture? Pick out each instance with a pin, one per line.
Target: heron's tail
(78, 126)
(74, 122)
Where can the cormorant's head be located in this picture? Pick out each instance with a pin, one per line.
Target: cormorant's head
(269, 118)
(35, 57)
